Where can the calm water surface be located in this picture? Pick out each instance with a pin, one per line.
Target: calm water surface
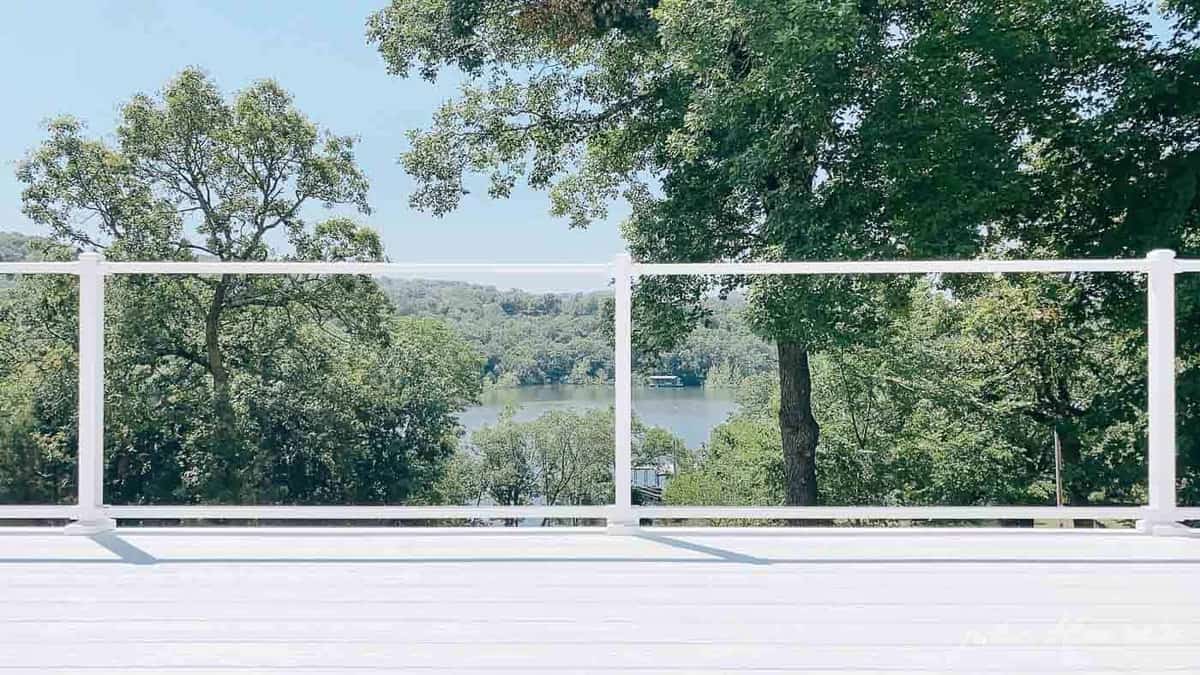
(688, 412)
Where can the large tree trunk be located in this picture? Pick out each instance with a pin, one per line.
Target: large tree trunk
(797, 426)
(1072, 456)
(223, 484)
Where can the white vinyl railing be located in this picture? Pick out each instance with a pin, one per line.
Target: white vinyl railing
(91, 514)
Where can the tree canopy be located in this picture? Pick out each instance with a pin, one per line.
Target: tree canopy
(794, 130)
(228, 388)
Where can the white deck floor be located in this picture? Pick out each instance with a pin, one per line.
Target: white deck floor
(357, 600)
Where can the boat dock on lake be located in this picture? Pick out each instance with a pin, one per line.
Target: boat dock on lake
(664, 381)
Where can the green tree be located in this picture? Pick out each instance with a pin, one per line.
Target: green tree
(957, 404)
(244, 388)
(233, 172)
(742, 465)
(761, 130)
(564, 457)
(16, 247)
(1125, 180)
(38, 388)
(655, 446)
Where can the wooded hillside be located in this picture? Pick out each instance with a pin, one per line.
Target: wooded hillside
(549, 338)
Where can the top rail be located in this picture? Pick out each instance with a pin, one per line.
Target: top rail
(661, 269)
(39, 268)
(292, 267)
(895, 267)
(287, 267)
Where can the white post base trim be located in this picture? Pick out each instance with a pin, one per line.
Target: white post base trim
(622, 528)
(1158, 528)
(89, 527)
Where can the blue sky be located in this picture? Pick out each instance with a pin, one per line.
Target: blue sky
(86, 58)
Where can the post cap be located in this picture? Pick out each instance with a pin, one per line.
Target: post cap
(91, 256)
(1161, 254)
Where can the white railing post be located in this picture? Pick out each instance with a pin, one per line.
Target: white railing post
(623, 520)
(91, 518)
(1160, 336)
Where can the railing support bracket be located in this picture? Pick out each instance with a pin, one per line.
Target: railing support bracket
(1158, 528)
(90, 526)
(622, 528)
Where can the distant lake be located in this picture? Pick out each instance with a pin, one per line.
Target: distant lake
(688, 412)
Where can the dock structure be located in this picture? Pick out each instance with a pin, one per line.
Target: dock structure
(664, 381)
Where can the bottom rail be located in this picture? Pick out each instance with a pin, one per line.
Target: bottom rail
(890, 512)
(357, 512)
(38, 511)
(603, 512)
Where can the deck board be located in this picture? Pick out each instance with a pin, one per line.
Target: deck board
(674, 600)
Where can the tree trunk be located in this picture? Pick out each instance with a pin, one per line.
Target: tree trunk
(223, 484)
(1067, 433)
(797, 426)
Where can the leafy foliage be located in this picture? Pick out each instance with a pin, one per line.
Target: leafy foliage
(562, 457)
(796, 130)
(957, 406)
(551, 338)
(225, 388)
(15, 247)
